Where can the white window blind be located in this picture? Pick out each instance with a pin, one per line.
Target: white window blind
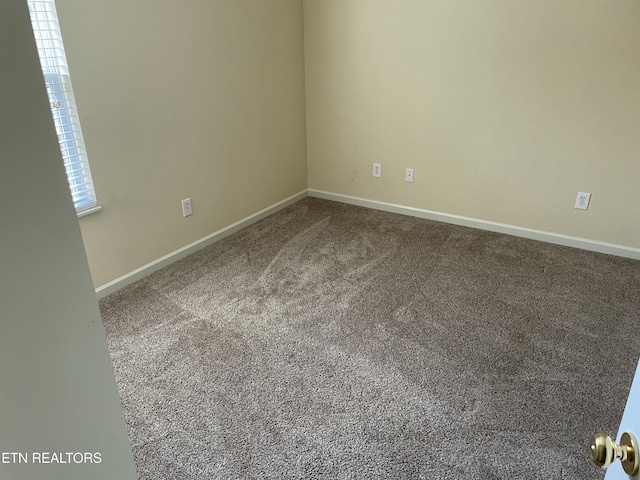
(63, 105)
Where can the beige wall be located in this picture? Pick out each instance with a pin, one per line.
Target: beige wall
(57, 389)
(505, 109)
(201, 99)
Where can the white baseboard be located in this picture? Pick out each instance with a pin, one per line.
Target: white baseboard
(143, 271)
(549, 237)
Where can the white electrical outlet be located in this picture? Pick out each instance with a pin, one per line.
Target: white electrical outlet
(186, 207)
(377, 169)
(408, 176)
(582, 200)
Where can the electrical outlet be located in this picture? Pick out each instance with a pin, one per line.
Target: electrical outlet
(582, 200)
(377, 169)
(408, 176)
(186, 207)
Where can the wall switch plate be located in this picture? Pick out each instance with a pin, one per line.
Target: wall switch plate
(186, 207)
(377, 169)
(408, 176)
(582, 200)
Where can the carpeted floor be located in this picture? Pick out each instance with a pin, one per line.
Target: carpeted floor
(331, 341)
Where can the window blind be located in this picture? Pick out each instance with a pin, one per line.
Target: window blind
(46, 30)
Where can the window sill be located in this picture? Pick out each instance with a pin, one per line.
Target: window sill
(89, 211)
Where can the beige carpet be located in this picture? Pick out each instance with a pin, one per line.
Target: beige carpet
(331, 341)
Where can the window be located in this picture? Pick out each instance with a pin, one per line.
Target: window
(63, 105)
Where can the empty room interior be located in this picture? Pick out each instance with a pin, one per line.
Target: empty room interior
(411, 247)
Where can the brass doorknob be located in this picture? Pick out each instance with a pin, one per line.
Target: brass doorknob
(604, 451)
